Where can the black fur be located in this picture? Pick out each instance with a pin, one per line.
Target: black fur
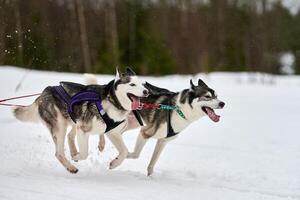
(130, 72)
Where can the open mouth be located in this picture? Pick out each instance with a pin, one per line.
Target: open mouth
(132, 97)
(135, 101)
(211, 114)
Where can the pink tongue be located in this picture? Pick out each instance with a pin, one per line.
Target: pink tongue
(135, 104)
(212, 115)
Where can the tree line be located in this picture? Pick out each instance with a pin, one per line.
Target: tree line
(154, 37)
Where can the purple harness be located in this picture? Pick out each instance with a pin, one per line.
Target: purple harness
(86, 96)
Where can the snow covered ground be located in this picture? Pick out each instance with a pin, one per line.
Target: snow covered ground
(252, 153)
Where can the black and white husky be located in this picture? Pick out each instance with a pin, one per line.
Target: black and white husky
(53, 112)
(195, 102)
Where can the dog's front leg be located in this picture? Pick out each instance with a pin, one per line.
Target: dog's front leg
(117, 140)
(139, 145)
(83, 144)
(160, 144)
(71, 141)
(101, 143)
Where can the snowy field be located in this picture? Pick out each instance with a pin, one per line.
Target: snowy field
(252, 153)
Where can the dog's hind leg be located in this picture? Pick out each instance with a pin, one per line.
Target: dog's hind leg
(58, 135)
(83, 144)
(52, 117)
(71, 141)
(160, 144)
(139, 145)
(117, 140)
(101, 143)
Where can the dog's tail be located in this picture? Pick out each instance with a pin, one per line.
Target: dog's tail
(27, 113)
(90, 79)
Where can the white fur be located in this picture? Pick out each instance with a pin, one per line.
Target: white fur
(123, 89)
(30, 113)
(90, 79)
(192, 113)
(27, 113)
(98, 127)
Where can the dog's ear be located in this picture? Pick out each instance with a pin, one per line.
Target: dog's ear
(201, 83)
(130, 72)
(192, 85)
(119, 75)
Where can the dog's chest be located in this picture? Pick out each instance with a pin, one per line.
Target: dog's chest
(97, 126)
(161, 132)
(177, 123)
(113, 112)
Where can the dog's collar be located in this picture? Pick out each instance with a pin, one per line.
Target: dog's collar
(114, 99)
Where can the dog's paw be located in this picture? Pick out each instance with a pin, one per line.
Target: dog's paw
(73, 154)
(132, 155)
(101, 143)
(115, 163)
(79, 157)
(150, 171)
(72, 170)
(101, 147)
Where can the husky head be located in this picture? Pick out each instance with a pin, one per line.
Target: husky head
(129, 88)
(205, 99)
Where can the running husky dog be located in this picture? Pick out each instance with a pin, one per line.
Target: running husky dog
(194, 103)
(92, 109)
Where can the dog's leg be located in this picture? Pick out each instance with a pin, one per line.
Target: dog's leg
(117, 140)
(160, 144)
(71, 141)
(58, 135)
(139, 145)
(83, 144)
(101, 143)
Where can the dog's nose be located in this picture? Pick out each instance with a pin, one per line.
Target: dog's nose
(146, 92)
(221, 104)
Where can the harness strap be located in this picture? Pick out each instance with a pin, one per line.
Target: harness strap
(86, 96)
(138, 117)
(170, 130)
(67, 99)
(137, 105)
(110, 123)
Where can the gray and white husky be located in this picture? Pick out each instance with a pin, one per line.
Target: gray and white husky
(53, 112)
(195, 102)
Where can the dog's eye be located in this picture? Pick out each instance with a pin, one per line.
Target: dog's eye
(207, 96)
(132, 84)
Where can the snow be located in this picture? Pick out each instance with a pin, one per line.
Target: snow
(287, 61)
(252, 153)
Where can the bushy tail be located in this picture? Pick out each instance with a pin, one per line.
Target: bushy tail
(90, 79)
(27, 113)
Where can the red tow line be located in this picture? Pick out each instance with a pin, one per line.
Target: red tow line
(18, 97)
(150, 106)
(137, 105)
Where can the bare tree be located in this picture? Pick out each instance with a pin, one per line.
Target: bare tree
(111, 31)
(83, 36)
(220, 8)
(2, 33)
(19, 32)
(132, 30)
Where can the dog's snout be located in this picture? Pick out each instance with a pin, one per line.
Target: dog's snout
(146, 92)
(221, 104)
